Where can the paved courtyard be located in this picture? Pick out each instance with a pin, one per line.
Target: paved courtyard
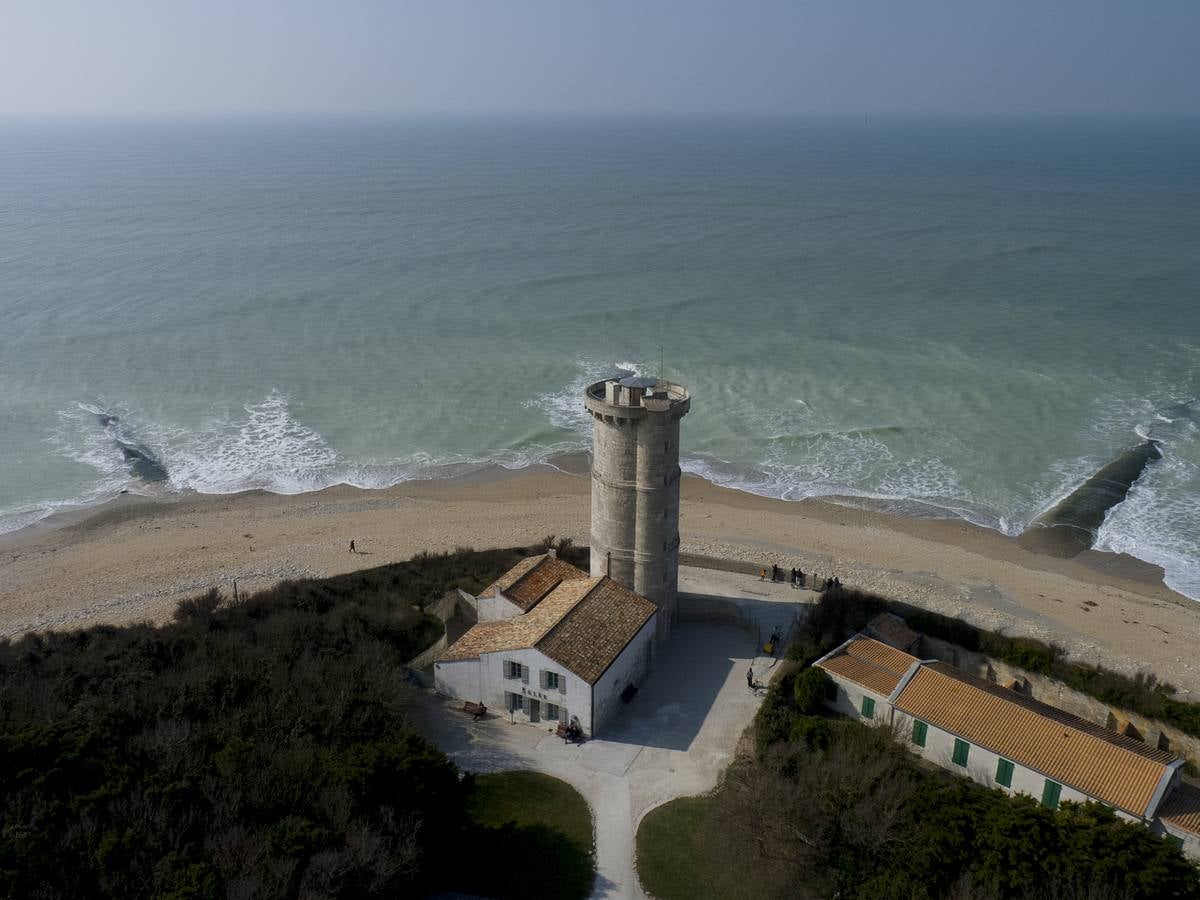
(673, 739)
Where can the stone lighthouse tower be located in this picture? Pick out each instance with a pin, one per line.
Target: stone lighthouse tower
(635, 487)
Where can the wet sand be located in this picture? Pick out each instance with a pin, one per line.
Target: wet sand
(134, 559)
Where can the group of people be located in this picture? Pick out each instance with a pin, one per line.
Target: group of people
(797, 578)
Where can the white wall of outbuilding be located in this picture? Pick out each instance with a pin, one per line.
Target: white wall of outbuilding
(849, 702)
(491, 609)
(982, 764)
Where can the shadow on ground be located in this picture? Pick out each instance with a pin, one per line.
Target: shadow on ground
(676, 701)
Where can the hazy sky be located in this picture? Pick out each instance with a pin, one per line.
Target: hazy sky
(105, 57)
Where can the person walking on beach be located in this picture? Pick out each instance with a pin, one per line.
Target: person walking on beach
(352, 550)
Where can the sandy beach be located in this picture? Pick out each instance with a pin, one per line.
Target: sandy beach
(133, 559)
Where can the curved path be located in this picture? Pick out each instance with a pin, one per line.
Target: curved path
(674, 739)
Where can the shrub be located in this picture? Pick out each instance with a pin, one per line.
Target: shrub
(814, 732)
(773, 721)
(810, 689)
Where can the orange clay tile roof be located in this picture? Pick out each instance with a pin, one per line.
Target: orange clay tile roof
(1118, 770)
(597, 629)
(520, 631)
(506, 580)
(1182, 808)
(584, 624)
(532, 579)
(870, 664)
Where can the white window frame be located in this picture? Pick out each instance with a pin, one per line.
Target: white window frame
(557, 711)
(513, 670)
(516, 702)
(552, 681)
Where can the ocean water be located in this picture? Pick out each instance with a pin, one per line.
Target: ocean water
(948, 318)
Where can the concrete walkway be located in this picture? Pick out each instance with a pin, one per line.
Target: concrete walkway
(674, 739)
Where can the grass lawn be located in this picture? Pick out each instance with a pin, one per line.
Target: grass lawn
(533, 838)
(679, 854)
(530, 798)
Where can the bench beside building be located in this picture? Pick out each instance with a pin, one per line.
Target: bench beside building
(552, 644)
(1004, 739)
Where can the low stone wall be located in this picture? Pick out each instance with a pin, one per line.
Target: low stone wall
(1040, 687)
(721, 565)
(445, 606)
(424, 659)
(468, 606)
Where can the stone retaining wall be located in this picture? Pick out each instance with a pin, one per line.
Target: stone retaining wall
(425, 658)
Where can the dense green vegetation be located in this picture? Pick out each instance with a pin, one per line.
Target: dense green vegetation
(532, 837)
(265, 748)
(845, 611)
(829, 807)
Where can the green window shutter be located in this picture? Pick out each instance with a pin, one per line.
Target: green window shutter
(1004, 773)
(920, 732)
(1050, 794)
(961, 748)
(868, 707)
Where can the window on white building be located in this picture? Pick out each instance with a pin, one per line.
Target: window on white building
(1051, 791)
(513, 670)
(552, 711)
(961, 749)
(516, 702)
(550, 680)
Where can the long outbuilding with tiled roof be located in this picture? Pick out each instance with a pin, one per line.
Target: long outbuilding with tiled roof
(553, 644)
(1000, 737)
(1049, 753)
(1179, 818)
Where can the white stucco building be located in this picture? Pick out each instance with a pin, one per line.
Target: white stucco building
(1007, 740)
(552, 644)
